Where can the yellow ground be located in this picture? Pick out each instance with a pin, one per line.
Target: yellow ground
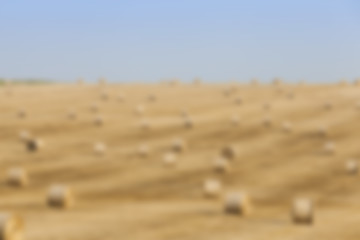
(123, 196)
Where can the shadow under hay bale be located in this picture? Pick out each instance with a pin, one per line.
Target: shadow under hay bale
(34, 145)
(237, 203)
(302, 211)
(17, 177)
(11, 227)
(60, 196)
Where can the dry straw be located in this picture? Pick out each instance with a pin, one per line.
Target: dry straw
(229, 152)
(17, 177)
(237, 203)
(302, 211)
(11, 227)
(352, 167)
(212, 188)
(60, 196)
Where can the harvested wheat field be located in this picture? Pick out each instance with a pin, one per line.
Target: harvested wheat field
(107, 163)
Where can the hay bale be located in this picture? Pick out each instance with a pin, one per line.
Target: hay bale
(102, 81)
(34, 144)
(277, 81)
(229, 152)
(104, 96)
(151, 98)
(254, 82)
(188, 122)
(24, 136)
(71, 115)
(212, 188)
(328, 105)
(323, 131)
(22, 113)
(17, 177)
(99, 121)
(290, 95)
(329, 148)
(238, 101)
(144, 150)
(94, 107)
(145, 124)
(169, 159)
(266, 106)
(302, 211)
(139, 110)
(221, 165)
(237, 203)
(178, 145)
(60, 196)
(267, 121)
(286, 127)
(11, 227)
(184, 113)
(121, 98)
(235, 120)
(80, 81)
(352, 167)
(197, 81)
(100, 148)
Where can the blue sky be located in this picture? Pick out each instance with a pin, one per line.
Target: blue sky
(148, 40)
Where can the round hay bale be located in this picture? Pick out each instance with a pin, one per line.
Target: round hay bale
(17, 177)
(266, 106)
(221, 165)
(71, 115)
(121, 98)
(104, 96)
(277, 81)
(212, 188)
(323, 131)
(178, 145)
(286, 127)
(238, 101)
(328, 105)
(302, 211)
(34, 144)
(237, 203)
(145, 124)
(290, 95)
(94, 107)
(100, 148)
(188, 122)
(169, 159)
(22, 113)
(151, 98)
(139, 110)
(144, 150)
(352, 167)
(24, 136)
(99, 120)
(235, 120)
(267, 121)
(329, 148)
(60, 196)
(184, 113)
(11, 227)
(229, 152)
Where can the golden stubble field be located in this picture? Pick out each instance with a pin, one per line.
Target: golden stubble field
(291, 140)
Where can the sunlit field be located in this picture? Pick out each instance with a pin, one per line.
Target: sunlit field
(176, 160)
